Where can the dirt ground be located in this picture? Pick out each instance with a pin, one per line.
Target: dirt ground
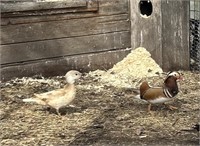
(100, 115)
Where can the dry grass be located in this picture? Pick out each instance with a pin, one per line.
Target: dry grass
(102, 115)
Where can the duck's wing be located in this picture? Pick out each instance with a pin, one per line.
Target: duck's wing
(51, 94)
(62, 97)
(153, 93)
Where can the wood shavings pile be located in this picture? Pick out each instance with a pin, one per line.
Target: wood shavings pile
(136, 65)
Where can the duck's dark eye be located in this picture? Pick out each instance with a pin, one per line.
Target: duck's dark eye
(76, 74)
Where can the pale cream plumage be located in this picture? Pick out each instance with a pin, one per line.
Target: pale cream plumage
(60, 97)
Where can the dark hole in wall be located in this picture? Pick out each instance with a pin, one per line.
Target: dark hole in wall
(145, 7)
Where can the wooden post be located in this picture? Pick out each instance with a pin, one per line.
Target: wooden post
(165, 33)
(175, 35)
(146, 31)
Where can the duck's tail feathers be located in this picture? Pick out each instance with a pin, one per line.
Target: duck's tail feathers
(38, 101)
(132, 91)
(137, 96)
(135, 91)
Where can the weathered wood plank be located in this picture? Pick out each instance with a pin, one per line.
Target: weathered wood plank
(60, 66)
(175, 34)
(48, 12)
(64, 28)
(113, 6)
(32, 6)
(47, 8)
(13, 1)
(105, 7)
(147, 32)
(65, 46)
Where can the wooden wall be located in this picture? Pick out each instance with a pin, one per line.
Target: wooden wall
(51, 38)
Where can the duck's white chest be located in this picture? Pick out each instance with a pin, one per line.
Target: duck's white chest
(159, 100)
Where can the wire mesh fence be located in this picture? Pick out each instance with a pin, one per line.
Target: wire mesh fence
(195, 35)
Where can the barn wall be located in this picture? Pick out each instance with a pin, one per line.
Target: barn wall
(50, 39)
(73, 35)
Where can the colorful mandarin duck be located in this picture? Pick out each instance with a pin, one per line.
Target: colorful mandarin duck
(162, 94)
